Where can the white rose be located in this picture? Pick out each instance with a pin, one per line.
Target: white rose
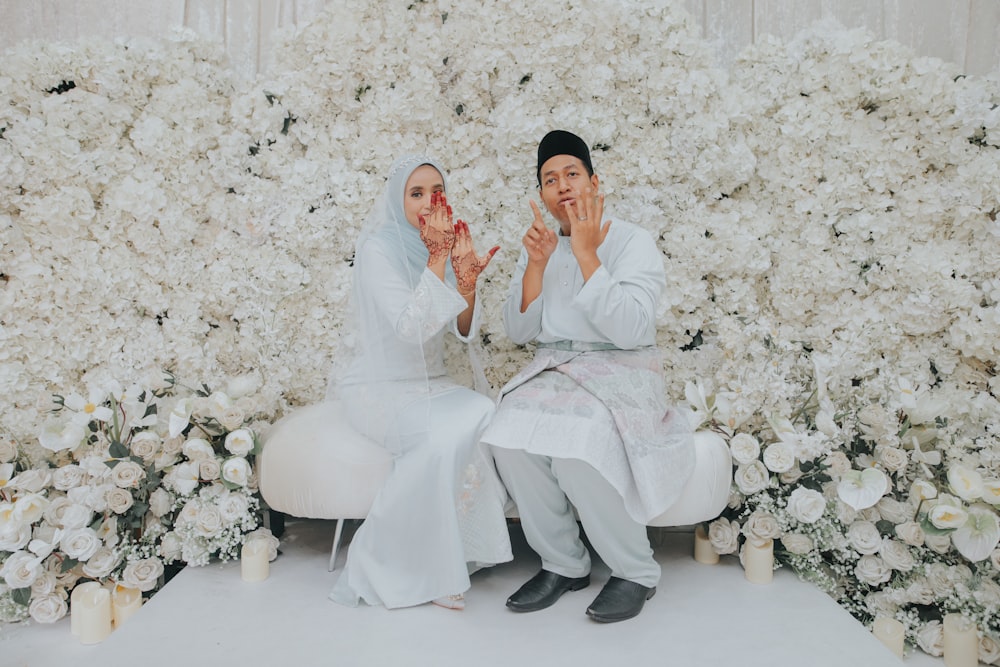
(988, 593)
(127, 475)
(911, 533)
(790, 477)
(239, 442)
(233, 508)
(14, 535)
(47, 608)
(236, 471)
(170, 547)
(838, 463)
(209, 521)
(173, 446)
(744, 448)
(938, 543)
(779, 457)
(45, 583)
(142, 574)
(102, 563)
(76, 515)
(723, 534)
(67, 477)
(183, 478)
(920, 592)
(145, 445)
(8, 450)
(119, 500)
(806, 505)
(797, 543)
(265, 535)
(897, 555)
(232, 418)
(752, 477)
(197, 449)
(761, 526)
(892, 459)
(894, 510)
(930, 638)
(160, 502)
(209, 469)
(989, 650)
(80, 543)
(215, 404)
(922, 490)
(864, 537)
(21, 569)
(872, 570)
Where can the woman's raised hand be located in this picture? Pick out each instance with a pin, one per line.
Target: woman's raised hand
(466, 264)
(436, 229)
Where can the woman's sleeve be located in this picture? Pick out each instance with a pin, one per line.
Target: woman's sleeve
(416, 313)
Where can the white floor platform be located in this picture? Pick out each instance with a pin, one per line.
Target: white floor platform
(706, 615)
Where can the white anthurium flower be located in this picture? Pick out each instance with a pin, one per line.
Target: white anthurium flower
(180, 416)
(6, 473)
(991, 490)
(932, 457)
(907, 393)
(861, 489)
(947, 513)
(922, 490)
(58, 435)
(90, 408)
(979, 535)
(965, 482)
(695, 395)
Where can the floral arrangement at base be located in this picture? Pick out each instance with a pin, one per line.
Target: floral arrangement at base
(126, 481)
(826, 208)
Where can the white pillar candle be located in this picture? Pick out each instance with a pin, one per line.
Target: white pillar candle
(890, 632)
(758, 561)
(124, 603)
(703, 551)
(93, 612)
(253, 561)
(75, 606)
(961, 643)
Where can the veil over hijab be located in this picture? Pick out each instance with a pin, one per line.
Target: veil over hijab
(442, 506)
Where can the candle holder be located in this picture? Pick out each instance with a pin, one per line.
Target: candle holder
(124, 603)
(961, 642)
(890, 632)
(758, 561)
(254, 565)
(703, 551)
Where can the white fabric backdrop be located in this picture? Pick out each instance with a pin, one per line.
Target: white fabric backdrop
(966, 32)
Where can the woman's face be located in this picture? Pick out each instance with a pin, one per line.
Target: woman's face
(422, 183)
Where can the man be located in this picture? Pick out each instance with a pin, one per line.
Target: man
(586, 423)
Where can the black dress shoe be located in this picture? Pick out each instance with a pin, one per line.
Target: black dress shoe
(618, 600)
(543, 589)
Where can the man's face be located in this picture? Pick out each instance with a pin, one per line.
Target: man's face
(564, 179)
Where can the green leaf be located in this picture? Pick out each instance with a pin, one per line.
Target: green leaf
(21, 595)
(150, 409)
(118, 450)
(68, 564)
(931, 529)
(111, 463)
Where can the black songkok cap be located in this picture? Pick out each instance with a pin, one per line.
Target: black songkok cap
(561, 142)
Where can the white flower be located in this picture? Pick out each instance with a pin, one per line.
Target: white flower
(930, 638)
(989, 650)
(751, 477)
(180, 416)
(991, 491)
(233, 507)
(892, 459)
(864, 537)
(170, 547)
(744, 448)
(872, 570)
(47, 608)
(894, 510)
(779, 457)
(862, 488)
(239, 442)
(965, 483)
(67, 477)
(145, 445)
(243, 385)
(142, 574)
(897, 555)
(266, 536)
(30, 508)
(761, 526)
(8, 450)
(232, 418)
(89, 409)
(209, 469)
(922, 490)
(119, 500)
(797, 543)
(31, 481)
(236, 471)
(209, 521)
(127, 474)
(197, 449)
(102, 563)
(57, 435)
(806, 505)
(911, 533)
(723, 534)
(946, 514)
(838, 463)
(183, 478)
(21, 569)
(80, 543)
(938, 543)
(979, 535)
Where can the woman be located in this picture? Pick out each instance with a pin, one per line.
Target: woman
(440, 513)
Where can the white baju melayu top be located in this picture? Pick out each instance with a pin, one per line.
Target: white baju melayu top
(595, 390)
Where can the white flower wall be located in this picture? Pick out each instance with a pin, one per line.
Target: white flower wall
(827, 211)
